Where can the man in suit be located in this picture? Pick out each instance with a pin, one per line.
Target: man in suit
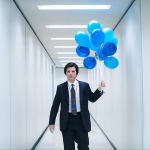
(73, 95)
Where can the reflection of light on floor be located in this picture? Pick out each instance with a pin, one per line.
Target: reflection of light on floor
(55, 141)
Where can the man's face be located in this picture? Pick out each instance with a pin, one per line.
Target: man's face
(71, 73)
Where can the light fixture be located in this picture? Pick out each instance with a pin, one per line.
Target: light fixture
(65, 46)
(76, 63)
(71, 61)
(56, 7)
(70, 57)
(62, 39)
(66, 26)
(78, 66)
(65, 52)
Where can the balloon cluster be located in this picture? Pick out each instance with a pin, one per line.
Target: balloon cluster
(102, 41)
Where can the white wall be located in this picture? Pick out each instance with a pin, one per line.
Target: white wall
(145, 13)
(120, 108)
(5, 75)
(25, 81)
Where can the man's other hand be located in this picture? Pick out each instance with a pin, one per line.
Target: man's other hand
(51, 128)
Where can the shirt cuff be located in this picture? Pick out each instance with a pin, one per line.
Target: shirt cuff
(101, 89)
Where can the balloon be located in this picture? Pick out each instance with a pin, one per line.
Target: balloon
(111, 62)
(102, 57)
(89, 62)
(114, 40)
(82, 38)
(108, 34)
(82, 51)
(98, 53)
(109, 49)
(97, 37)
(92, 25)
(91, 46)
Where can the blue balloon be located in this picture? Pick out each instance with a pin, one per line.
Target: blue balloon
(98, 53)
(89, 62)
(82, 38)
(82, 51)
(92, 25)
(91, 46)
(109, 49)
(111, 62)
(109, 33)
(102, 57)
(114, 40)
(97, 37)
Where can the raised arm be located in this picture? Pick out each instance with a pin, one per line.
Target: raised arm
(93, 97)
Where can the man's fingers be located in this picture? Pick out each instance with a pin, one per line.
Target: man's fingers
(103, 84)
(51, 128)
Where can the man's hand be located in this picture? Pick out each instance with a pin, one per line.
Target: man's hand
(51, 128)
(101, 84)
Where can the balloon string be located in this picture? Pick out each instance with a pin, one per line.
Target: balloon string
(100, 68)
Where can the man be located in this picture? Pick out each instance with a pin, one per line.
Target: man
(73, 95)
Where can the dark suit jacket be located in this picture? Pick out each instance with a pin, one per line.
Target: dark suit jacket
(62, 97)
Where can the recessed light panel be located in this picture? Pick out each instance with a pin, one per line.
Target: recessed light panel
(62, 39)
(66, 26)
(65, 46)
(65, 52)
(63, 7)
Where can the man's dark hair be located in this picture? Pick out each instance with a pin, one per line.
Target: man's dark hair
(71, 64)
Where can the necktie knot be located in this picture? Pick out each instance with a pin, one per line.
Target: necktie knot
(72, 85)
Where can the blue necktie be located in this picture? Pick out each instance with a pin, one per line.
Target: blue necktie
(73, 101)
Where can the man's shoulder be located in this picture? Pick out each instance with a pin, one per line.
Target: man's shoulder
(83, 83)
(65, 83)
(62, 84)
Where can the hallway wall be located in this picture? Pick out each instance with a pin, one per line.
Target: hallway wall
(25, 81)
(119, 110)
(145, 13)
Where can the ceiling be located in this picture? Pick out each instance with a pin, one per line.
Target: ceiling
(39, 18)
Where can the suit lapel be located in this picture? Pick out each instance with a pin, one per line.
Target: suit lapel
(80, 91)
(66, 91)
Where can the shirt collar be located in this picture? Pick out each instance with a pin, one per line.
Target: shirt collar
(69, 83)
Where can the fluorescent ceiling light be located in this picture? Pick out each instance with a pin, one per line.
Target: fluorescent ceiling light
(78, 66)
(71, 61)
(76, 63)
(56, 7)
(62, 39)
(69, 57)
(65, 52)
(65, 46)
(66, 26)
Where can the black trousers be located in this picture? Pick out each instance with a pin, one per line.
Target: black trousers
(75, 132)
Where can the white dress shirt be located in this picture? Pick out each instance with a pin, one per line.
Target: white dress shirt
(76, 88)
